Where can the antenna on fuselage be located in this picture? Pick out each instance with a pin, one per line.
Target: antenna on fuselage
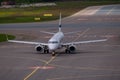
(60, 23)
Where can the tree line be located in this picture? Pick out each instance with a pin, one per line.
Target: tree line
(27, 1)
(36, 1)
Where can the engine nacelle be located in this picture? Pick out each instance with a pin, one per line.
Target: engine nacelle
(72, 48)
(39, 48)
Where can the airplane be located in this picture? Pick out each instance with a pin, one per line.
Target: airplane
(55, 43)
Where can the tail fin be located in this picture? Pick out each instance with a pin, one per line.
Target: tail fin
(60, 23)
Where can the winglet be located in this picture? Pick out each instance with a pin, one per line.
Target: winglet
(60, 22)
(7, 37)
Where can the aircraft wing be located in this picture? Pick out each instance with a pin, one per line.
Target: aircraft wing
(81, 42)
(27, 42)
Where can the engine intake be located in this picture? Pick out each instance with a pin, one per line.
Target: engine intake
(72, 48)
(39, 48)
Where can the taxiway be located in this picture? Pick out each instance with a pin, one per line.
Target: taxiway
(94, 61)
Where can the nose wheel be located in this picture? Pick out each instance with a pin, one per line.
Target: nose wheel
(53, 53)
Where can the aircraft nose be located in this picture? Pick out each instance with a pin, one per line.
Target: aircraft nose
(52, 47)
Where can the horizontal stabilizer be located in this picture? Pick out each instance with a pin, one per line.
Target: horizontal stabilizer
(47, 32)
(72, 32)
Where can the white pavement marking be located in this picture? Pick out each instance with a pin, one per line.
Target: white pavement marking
(42, 67)
(110, 11)
(81, 34)
(88, 11)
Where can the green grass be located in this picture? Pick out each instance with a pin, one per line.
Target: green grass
(3, 37)
(24, 19)
(18, 15)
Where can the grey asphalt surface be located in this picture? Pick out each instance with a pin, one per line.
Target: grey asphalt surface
(93, 61)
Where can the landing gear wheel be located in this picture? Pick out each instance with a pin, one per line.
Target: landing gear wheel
(46, 51)
(67, 51)
(53, 53)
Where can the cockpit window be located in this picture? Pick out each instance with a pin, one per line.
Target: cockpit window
(53, 42)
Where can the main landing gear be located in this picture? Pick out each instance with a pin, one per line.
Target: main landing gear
(67, 51)
(46, 50)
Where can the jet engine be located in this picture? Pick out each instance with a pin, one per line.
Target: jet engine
(39, 48)
(72, 48)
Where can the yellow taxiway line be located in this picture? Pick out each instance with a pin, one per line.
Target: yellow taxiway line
(37, 68)
(82, 34)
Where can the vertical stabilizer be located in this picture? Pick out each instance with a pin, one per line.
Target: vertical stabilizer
(60, 23)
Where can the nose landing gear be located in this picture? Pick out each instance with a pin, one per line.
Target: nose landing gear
(53, 53)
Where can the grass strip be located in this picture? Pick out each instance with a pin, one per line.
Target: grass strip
(21, 15)
(3, 37)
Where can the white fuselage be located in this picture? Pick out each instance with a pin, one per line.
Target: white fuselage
(54, 42)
